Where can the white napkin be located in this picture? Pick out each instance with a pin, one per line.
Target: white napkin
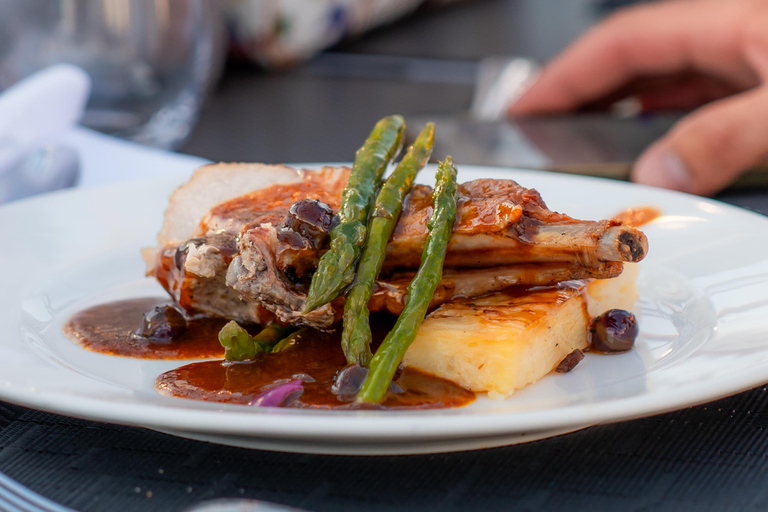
(39, 109)
(45, 108)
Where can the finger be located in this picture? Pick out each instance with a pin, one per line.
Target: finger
(685, 94)
(680, 91)
(659, 38)
(708, 149)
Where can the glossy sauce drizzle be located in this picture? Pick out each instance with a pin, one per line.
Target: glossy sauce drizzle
(316, 358)
(109, 329)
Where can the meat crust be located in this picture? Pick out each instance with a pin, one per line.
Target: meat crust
(251, 257)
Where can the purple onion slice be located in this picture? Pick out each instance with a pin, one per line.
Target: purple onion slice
(279, 395)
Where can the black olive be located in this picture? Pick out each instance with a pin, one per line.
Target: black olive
(311, 219)
(613, 331)
(162, 323)
(349, 381)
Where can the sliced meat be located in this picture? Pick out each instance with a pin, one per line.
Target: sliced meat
(390, 293)
(194, 273)
(253, 256)
(500, 223)
(255, 276)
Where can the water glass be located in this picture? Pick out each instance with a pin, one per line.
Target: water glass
(151, 61)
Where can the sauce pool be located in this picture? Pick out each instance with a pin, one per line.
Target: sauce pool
(109, 329)
(315, 357)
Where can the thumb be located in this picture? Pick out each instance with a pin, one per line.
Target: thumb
(709, 148)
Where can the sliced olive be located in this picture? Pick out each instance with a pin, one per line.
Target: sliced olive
(570, 361)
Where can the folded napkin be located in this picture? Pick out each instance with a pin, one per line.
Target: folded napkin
(42, 149)
(40, 109)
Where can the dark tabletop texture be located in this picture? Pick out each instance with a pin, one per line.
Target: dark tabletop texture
(710, 457)
(321, 111)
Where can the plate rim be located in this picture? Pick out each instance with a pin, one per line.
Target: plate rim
(431, 424)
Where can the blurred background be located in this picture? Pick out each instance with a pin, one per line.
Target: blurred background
(299, 81)
(278, 80)
(424, 63)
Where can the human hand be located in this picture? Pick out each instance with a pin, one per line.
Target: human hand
(676, 54)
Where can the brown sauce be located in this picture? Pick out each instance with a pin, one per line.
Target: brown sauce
(325, 186)
(317, 355)
(109, 329)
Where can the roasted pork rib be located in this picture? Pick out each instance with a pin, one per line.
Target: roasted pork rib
(251, 257)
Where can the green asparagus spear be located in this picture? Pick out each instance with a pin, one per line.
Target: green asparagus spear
(356, 336)
(420, 291)
(268, 337)
(290, 339)
(240, 346)
(336, 268)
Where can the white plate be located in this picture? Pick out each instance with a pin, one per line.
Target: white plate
(703, 319)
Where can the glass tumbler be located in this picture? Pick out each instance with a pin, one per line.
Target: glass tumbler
(151, 61)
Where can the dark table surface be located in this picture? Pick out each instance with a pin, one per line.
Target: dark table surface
(709, 457)
(423, 65)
